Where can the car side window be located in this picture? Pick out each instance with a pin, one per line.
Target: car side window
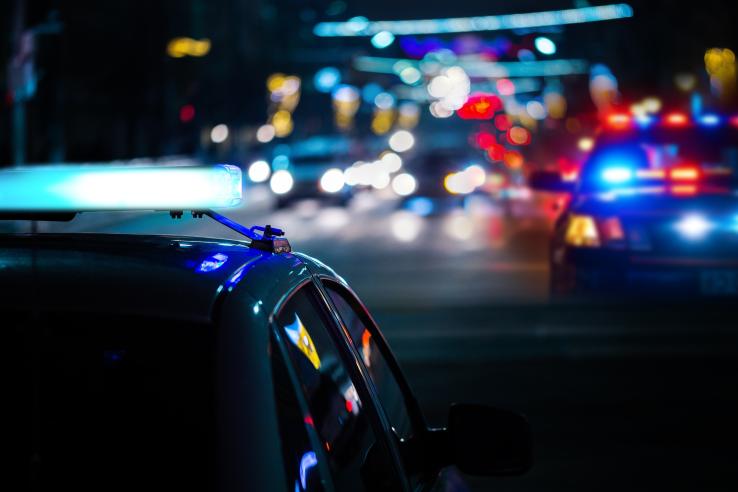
(299, 457)
(358, 459)
(364, 337)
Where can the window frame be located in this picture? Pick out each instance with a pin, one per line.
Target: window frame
(277, 343)
(361, 381)
(413, 406)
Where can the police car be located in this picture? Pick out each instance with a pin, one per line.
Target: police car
(653, 210)
(182, 363)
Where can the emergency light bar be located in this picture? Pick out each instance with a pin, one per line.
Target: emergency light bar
(109, 188)
(627, 122)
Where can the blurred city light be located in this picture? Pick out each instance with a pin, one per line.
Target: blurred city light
(219, 133)
(603, 87)
(517, 135)
(438, 110)
(360, 26)
(451, 88)
(480, 107)
(380, 180)
(536, 110)
(401, 141)
(346, 102)
(384, 100)
(332, 180)
(466, 181)
(259, 171)
(281, 182)
(181, 47)
(382, 39)
(459, 227)
(585, 144)
(391, 161)
(652, 104)
(282, 123)
(505, 87)
(408, 114)
(404, 184)
(406, 226)
(720, 64)
(326, 79)
(186, 113)
(410, 75)
(482, 68)
(420, 205)
(685, 81)
(265, 133)
(545, 46)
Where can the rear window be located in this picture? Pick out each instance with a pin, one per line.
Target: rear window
(101, 403)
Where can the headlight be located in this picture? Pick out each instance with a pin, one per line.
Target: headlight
(694, 226)
(582, 231)
(281, 182)
(332, 181)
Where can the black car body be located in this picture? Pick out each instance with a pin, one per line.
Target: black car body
(179, 363)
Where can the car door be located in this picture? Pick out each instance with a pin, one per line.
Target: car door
(337, 404)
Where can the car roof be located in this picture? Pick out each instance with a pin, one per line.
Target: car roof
(152, 275)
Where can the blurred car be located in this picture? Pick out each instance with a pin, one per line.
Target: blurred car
(312, 169)
(188, 363)
(653, 211)
(432, 169)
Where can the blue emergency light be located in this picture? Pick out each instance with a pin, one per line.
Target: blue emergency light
(109, 188)
(617, 174)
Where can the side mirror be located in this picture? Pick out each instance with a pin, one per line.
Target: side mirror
(489, 441)
(549, 181)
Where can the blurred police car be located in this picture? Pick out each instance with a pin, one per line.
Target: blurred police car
(654, 210)
(181, 363)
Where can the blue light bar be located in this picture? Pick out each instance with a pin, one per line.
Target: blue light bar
(709, 120)
(643, 120)
(617, 175)
(474, 24)
(107, 188)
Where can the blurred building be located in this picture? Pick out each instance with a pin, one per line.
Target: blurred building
(107, 88)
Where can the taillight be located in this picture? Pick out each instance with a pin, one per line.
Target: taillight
(612, 230)
(587, 231)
